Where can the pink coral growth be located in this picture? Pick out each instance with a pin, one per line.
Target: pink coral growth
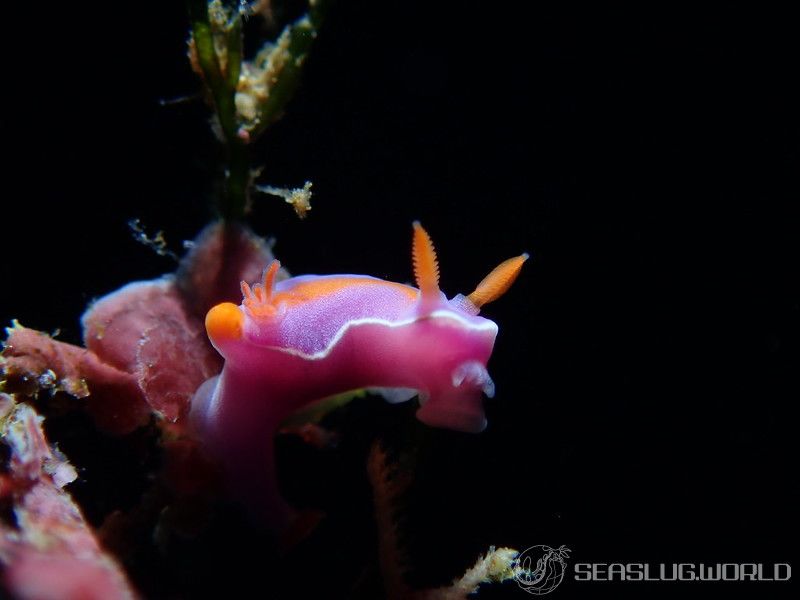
(143, 331)
(146, 349)
(50, 552)
(33, 360)
(146, 353)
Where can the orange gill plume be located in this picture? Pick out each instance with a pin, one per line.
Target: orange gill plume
(258, 300)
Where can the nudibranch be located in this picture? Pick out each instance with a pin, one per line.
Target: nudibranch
(309, 337)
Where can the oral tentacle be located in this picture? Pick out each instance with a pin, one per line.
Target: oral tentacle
(474, 374)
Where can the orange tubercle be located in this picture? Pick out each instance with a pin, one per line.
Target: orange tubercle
(224, 322)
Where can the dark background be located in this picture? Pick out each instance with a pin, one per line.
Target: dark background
(647, 158)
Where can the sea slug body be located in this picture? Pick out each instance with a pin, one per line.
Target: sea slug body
(306, 338)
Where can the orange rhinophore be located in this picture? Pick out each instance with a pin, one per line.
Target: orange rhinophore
(426, 266)
(496, 283)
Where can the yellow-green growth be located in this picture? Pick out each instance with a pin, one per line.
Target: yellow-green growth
(247, 96)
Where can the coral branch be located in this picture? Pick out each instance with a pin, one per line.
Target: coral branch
(50, 552)
(388, 483)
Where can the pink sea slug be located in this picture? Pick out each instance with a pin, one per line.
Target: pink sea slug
(309, 337)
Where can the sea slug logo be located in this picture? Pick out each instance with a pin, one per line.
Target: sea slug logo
(541, 569)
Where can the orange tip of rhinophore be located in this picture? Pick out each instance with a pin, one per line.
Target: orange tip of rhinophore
(426, 266)
(496, 283)
(224, 322)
